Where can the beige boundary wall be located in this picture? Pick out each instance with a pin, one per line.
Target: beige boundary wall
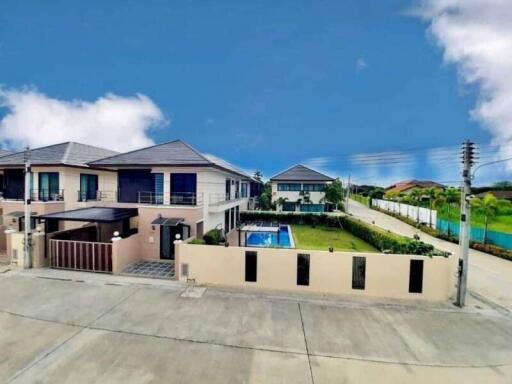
(387, 276)
(125, 252)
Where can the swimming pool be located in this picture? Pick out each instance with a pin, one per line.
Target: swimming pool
(271, 239)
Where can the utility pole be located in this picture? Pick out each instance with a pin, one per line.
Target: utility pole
(468, 156)
(348, 193)
(27, 260)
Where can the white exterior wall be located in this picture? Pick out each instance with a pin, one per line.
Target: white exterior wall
(293, 196)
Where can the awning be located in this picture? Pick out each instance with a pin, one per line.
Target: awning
(168, 221)
(20, 214)
(95, 214)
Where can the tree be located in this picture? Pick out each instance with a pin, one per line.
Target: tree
(280, 202)
(334, 193)
(431, 194)
(488, 206)
(450, 197)
(258, 176)
(504, 185)
(265, 198)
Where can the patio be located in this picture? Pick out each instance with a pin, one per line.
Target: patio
(151, 269)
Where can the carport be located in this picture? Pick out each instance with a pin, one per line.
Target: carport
(86, 247)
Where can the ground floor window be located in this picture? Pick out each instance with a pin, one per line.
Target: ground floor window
(289, 206)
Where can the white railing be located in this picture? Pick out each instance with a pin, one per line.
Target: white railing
(174, 198)
(220, 198)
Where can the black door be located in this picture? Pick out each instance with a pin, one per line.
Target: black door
(167, 237)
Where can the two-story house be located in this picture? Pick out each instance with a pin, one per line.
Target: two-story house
(177, 190)
(61, 179)
(300, 188)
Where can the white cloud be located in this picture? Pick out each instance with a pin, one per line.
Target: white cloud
(35, 119)
(361, 64)
(476, 35)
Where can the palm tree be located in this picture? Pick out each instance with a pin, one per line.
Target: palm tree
(416, 195)
(451, 196)
(431, 193)
(280, 202)
(488, 206)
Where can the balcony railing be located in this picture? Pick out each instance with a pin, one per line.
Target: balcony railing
(219, 198)
(108, 196)
(47, 195)
(174, 198)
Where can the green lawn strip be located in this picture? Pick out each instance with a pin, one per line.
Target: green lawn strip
(322, 237)
(500, 223)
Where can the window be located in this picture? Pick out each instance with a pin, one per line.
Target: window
(244, 190)
(228, 189)
(293, 187)
(158, 181)
(237, 213)
(49, 186)
(416, 276)
(358, 272)
(134, 184)
(237, 189)
(88, 187)
(302, 269)
(251, 266)
(226, 221)
(312, 207)
(313, 187)
(183, 188)
(232, 219)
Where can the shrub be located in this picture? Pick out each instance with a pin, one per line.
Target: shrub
(197, 241)
(213, 237)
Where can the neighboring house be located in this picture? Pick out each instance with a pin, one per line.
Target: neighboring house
(300, 188)
(177, 190)
(61, 179)
(408, 185)
(499, 194)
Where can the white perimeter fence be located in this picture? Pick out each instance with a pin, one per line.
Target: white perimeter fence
(419, 214)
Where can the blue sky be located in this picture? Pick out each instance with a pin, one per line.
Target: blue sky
(262, 84)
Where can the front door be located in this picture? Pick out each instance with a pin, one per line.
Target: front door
(167, 237)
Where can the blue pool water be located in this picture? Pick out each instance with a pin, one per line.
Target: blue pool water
(270, 239)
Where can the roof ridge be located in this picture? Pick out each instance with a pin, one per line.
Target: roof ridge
(136, 150)
(286, 170)
(195, 150)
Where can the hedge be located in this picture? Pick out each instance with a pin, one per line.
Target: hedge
(213, 237)
(379, 238)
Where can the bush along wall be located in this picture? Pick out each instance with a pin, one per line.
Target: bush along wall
(487, 248)
(383, 240)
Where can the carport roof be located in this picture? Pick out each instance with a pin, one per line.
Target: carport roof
(94, 214)
(169, 222)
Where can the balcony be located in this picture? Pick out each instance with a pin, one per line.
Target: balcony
(173, 198)
(222, 201)
(104, 196)
(39, 195)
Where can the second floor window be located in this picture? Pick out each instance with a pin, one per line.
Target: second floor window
(295, 187)
(313, 187)
(183, 188)
(88, 187)
(48, 186)
(244, 190)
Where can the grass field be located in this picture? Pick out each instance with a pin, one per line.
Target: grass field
(321, 238)
(500, 223)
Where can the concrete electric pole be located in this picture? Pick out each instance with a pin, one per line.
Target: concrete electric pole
(27, 260)
(468, 156)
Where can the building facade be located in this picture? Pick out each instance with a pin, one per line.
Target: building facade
(300, 189)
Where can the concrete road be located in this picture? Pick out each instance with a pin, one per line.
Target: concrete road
(93, 330)
(489, 277)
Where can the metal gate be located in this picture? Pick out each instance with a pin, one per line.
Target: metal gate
(80, 255)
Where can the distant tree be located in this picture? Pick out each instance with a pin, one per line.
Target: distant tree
(450, 198)
(334, 193)
(376, 193)
(431, 194)
(258, 176)
(503, 185)
(488, 206)
(265, 198)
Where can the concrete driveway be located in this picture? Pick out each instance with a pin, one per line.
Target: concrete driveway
(489, 277)
(96, 330)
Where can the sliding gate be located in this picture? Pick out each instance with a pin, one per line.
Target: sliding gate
(80, 255)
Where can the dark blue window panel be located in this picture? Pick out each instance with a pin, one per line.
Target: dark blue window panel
(133, 181)
(183, 188)
(88, 187)
(14, 183)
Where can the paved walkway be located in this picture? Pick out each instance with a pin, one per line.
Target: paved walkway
(151, 269)
(489, 277)
(91, 330)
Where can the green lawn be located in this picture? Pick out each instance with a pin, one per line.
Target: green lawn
(499, 223)
(321, 238)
